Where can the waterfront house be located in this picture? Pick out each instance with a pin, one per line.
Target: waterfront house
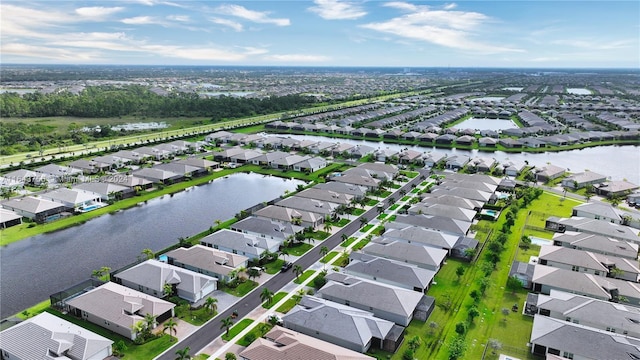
(549, 172)
(235, 242)
(616, 188)
(324, 208)
(158, 176)
(580, 180)
(208, 261)
(151, 276)
(310, 165)
(266, 228)
(357, 192)
(46, 336)
(36, 208)
(9, 218)
(118, 308)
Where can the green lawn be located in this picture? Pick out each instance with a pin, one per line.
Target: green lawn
(257, 332)
(299, 249)
(242, 289)
(328, 257)
(362, 243)
(195, 317)
(273, 267)
(305, 275)
(342, 260)
(342, 222)
(288, 305)
(366, 228)
(236, 329)
(406, 198)
(276, 298)
(524, 255)
(321, 235)
(356, 212)
(393, 207)
(409, 174)
(348, 241)
(372, 202)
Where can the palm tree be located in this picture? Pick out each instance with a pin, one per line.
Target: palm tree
(183, 354)
(226, 323)
(148, 253)
(211, 304)
(327, 226)
(324, 251)
(171, 326)
(344, 237)
(298, 270)
(363, 221)
(167, 289)
(284, 252)
(266, 295)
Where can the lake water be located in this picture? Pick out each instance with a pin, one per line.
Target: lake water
(34, 268)
(618, 162)
(578, 91)
(486, 124)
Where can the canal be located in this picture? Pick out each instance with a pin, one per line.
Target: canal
(36, 267)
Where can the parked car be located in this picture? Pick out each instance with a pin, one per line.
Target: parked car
(286, 266)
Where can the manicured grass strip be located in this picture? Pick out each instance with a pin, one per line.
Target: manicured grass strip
(242, 289)
(328, 257)
(276, 298)
(394, 206)
(305, 275)
(410, 174)
(342, 260)
(257, 332)
(372, 202)
(236, 329)
(406, 198)
(357, 212)
(342, 222)
(288, 305)
(34, 310)
(366, 228)
(362, 243)
(348, 242)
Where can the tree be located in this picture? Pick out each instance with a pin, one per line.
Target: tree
(408, 354)
(171, 326)
(148, 254)
(324, 251)
(226, 323)
(461, 328)
(149, 321)
(327, 226)
(298, 270)
(230, 356)
(526, 241)
(211, 304)
(183, 354)
(167, 289)
(457, 347)
(253, 273)
(414, 343)
(433, 326)
(495, 345)
(514, 284)
(460, 271)
(266, 295)
(472, 313)
(505, 312)
(284, 252)
(363, 221)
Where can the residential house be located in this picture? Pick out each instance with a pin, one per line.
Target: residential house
(284, 344)
(549, 172)
(325, 195)
(151, 276)
(456, 162)
(547, 278)
(266, 228)
(107, 191)
(387, 302)
(112, 161)
(387, 154)
(158, 176)
(127, 157)
(426, 257)
(472, 178)
(25, 177)
(361, 151)
(324, 208)
(433, 158)
(487, 142)
(443, 210)
(368, 182)
(208, 261)
(598, 314)
(36, 208)
(130, 181)
(218, 137)
(616, 188)
(58, 173)
(89, 167)
(297, 217)
(376, 170)
(118, 308)
(597, 243)
(155, 153)
(593, 226)
(242, 244)
(77, 199)
(598, 211)
(513, 168)
(419, 235)
(467, 184)
(523, 272)
(580, 180)
(452, 200)
(409, 156)
(225, 155)
(9, 218)
(342, 325)
(46, 336)
(439, 223)
(267, 159)
(186, 171)
(287, 163)
(343, 188)
(199, 163)
(310, 165)
(244, 157)
(590, 263)
(389, 272)
(572, 341)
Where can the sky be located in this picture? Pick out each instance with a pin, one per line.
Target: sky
(478, 33)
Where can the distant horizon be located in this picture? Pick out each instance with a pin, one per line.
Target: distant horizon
(563, 34)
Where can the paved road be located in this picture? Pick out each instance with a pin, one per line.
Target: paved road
(211, 330)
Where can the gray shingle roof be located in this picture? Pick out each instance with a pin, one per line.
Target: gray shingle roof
(416, 254)
(389, 271)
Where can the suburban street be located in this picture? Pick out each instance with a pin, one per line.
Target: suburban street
(211, 330)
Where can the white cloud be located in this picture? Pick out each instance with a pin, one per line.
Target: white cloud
(255, 16)
(181, 18)
(297, 58)
(97, 12)
(336, 10)
(143, 20)
(46, 52)
(226, 22)
(454, 29)
(450, 6)
(596, 44)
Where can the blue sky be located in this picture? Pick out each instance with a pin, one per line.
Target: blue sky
(547, 34)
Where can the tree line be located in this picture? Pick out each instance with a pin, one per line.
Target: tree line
(136, 100)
